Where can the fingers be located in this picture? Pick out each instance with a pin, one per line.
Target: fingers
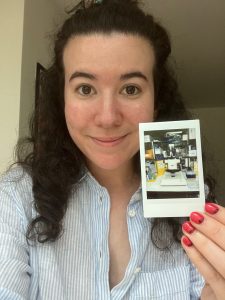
(212, 277)
(216, 212)
(209, 250)
(204, 243)
(211, 223)
(209, 227)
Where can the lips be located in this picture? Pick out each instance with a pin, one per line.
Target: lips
(108, 141)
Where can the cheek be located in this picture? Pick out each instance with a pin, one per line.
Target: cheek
(70, 115)
(147, 115)
(74, 123)
(142, 114)
(76, 116)
(143, 111)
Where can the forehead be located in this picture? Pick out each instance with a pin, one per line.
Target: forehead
(114, 50)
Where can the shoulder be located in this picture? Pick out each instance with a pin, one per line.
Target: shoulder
(16, 191)
(15, 179)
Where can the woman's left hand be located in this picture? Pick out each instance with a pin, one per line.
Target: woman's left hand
(204, 243)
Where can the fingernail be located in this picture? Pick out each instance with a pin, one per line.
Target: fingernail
(196, 217)
(188, 227)
(187, 241)
(211, 208)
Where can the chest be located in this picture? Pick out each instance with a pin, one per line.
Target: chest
(119, 246)
(74, 270)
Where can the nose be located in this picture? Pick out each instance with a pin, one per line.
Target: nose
(109, 112)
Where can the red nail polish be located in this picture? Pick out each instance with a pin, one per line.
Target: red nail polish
(188, 227)
(211, 208)
(196, 217)
(187, 241)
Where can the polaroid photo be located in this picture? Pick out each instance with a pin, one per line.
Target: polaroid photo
(171, 168)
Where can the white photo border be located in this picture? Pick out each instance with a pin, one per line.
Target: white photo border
(171, 207)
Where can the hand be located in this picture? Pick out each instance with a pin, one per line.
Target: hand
(204, 243)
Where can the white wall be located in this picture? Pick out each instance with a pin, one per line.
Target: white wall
(40, 22)
(212, 122)
(25, 26)
(11, 37)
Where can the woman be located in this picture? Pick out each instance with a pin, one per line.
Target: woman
(72, 224)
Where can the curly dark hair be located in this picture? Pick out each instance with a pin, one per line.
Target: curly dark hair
(55, 163)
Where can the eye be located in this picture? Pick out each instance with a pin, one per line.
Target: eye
(131, 90)
(85, 90)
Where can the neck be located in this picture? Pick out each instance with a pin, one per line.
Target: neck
(117, 180)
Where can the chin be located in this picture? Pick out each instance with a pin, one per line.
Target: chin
(109, 164)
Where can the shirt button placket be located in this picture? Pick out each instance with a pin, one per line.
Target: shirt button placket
(103, 277)
(100, 250)
(132, 213)
(137, 270)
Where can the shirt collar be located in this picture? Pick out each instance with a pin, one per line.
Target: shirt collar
(137, 196)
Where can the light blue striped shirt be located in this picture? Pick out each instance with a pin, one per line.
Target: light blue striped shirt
(77, 265)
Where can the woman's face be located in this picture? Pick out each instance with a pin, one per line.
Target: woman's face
(109, 90)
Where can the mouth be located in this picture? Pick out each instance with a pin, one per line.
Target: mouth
(109, 141)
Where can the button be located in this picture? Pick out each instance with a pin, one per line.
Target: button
(100, 198)
(132, 213)
(137, 270)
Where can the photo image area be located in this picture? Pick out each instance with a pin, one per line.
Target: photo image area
(171, 163)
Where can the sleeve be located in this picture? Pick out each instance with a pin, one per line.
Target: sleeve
(15, 271)
(197, 283)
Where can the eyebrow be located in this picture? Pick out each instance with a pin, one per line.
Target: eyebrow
(82, 74)
(133, 74)
(122, 77)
